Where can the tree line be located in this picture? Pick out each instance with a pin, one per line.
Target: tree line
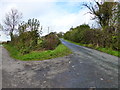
(106, 35)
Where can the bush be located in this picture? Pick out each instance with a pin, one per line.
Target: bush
(26, 41)
(50, 41)
(24, 50)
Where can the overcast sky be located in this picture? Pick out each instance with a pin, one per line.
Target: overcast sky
(58, 15)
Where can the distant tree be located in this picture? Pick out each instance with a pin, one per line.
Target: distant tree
(60, 34)
(12, 19)
(78, 34)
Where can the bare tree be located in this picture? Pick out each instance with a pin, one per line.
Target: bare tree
(11, 21)
(102, 11)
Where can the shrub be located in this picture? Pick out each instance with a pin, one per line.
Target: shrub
(24, 51)
(50, 42)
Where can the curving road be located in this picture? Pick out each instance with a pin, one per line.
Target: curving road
(85, 68)
(95, 68)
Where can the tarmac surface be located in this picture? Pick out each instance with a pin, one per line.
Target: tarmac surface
(85, 68)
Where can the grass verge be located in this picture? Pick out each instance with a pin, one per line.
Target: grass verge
(60, 51)
(106, 50)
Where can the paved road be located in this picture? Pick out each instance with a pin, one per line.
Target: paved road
(95, 68)
(84, 68)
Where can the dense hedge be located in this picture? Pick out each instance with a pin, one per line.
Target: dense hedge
(107, 37)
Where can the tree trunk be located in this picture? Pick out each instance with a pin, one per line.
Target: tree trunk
(11, 35)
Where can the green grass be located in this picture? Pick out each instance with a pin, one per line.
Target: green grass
(106, 50)
(60, 51)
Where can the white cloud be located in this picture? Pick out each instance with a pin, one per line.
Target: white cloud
(65, 21)
(20, 1)
(49, 13)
